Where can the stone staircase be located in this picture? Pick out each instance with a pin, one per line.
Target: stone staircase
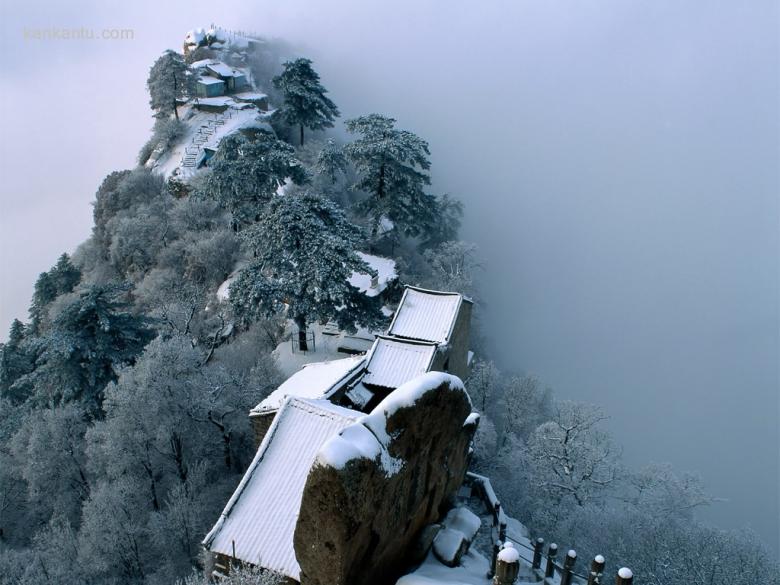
(205, 134)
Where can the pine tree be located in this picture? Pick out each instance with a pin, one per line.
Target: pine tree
(61, 279)
(15, 362)
(305, 102)
(168, 81)
(392, 166)
(305, 254)
(65, 276)
(245, 173)
(91, 339)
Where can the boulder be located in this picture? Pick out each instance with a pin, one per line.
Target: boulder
(376, 485)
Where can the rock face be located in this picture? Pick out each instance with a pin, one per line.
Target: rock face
(381, 481)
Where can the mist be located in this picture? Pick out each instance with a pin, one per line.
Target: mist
(618, 162)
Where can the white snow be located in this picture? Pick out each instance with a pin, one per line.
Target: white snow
(206, 80)
(219, 101)
(386, 272)
(393, 362)
(261, 515)
(472, 419)
(599, 559)
(368, 437)
(464, 521)
(250, 96)
(314, 380)
(472, 571)
(219, 68)
(509, 554)
(198, 121)
(448, 544)
(426, 315)
(625, 573)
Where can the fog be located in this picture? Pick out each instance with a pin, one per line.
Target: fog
(618, 161)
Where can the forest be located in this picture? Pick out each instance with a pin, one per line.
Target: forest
(124, 392)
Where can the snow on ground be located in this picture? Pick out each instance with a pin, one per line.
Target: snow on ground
(328, 340)
(386, 272)
(234, 119)
(473, 570)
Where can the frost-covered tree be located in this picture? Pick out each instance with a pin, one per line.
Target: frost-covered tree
(247, 172)
(244, 575)
(449, 214)
(305, 253)
(62, 278)
(483, 384)
(393, 168)
(113, 540)
(331, 162)
(49, 452)
(167, 82)
(15, 362)
(93, 336)
(305, 102)
(572, 458)
(453, 265)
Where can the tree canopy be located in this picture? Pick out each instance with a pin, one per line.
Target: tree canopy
(305, 253)
(246, 172)
(392, 168)
(167, 82)
(305, 102)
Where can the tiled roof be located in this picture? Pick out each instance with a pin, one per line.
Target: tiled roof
(261, 515)
(392, 362)
(315, 380)
(426, 315)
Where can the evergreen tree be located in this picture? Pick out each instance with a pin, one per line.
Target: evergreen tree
(65, 276)
(90, 340)
(61, 279)
(15, 362)
(305, 102)
(167, 82)
(331, 161)
(245, 173)
(304, 255)
(392, 166)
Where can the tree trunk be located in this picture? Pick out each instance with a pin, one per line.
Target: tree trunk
(175, 92)
(300, 321)
(301, 134)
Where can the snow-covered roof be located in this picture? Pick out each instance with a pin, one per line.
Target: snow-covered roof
(315, 380)
(393, 362)
(385, 268)
(427, 315)
(214, 101)
(206, 80)
(219, 68)
(201, 64)
(260, 517)
(250, 96)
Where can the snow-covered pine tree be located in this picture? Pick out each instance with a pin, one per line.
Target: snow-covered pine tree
(392, 166)
(93, 336)
(14, 362)
(304, 255)
(246, 172)
(305, 102)
(167, 82)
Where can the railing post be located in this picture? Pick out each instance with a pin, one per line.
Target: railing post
(552, 550)
(596, 570)
(502, 531)
(568, 567)
(538, 546)
(496, 513)
(507, 565)
(624, 577)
